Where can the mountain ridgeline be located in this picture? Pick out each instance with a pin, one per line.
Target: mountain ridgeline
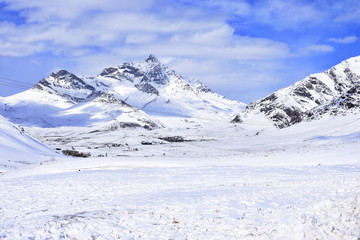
(131, 94)
(141, 94)
(335, 91)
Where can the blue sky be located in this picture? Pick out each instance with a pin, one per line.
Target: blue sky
(241, 49)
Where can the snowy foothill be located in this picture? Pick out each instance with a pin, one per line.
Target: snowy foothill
(19, 149)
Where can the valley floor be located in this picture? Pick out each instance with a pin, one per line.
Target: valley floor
(295, 184)
(200, 202)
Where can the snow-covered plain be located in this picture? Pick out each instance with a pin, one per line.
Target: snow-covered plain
(207, 202)
(226, 181)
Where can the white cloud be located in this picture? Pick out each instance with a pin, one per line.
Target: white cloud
(140, 38)
(238, 7)
(279, 14)
(240, 49)
(344, 40)
(19, 49)
(77, 32)
(291, 14)
(40, 10)
(316, 48)
(346, 11)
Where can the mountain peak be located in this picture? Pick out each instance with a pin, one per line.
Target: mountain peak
(60, 73)
(313, 96)
(152, 59)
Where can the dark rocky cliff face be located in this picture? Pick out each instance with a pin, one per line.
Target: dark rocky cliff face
(345, 103)
(147, 88)
(151, 72)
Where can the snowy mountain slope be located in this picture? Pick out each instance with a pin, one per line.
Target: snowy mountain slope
(104, 110)
(158, 90)
(349, 102)
(288, 106)
(68, 86)
(52, 110)
(33, 107)
(17, 148)
(64, 99)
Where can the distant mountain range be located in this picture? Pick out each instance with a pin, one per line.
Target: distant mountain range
(142, 94)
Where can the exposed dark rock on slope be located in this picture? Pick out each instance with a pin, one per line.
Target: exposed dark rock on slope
(317, 94)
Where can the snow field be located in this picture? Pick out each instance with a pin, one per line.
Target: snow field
(228, 182)
(201, 202)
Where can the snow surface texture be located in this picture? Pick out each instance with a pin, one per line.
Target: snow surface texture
(209, 202)
(225, 182)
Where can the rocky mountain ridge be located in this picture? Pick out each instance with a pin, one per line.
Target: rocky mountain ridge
(137, 94)
(311, 97)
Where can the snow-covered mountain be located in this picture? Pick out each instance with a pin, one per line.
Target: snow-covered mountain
(142, 94)
(158, 90)
(17, 148)
(348, 102)
(131, 94)
(317, 94)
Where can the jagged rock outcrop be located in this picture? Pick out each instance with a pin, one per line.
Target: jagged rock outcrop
(349, 102)
(69, 86)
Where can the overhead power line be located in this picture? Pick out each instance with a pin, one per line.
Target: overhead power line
(14, 86)
(9, 82)
(16, 81)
